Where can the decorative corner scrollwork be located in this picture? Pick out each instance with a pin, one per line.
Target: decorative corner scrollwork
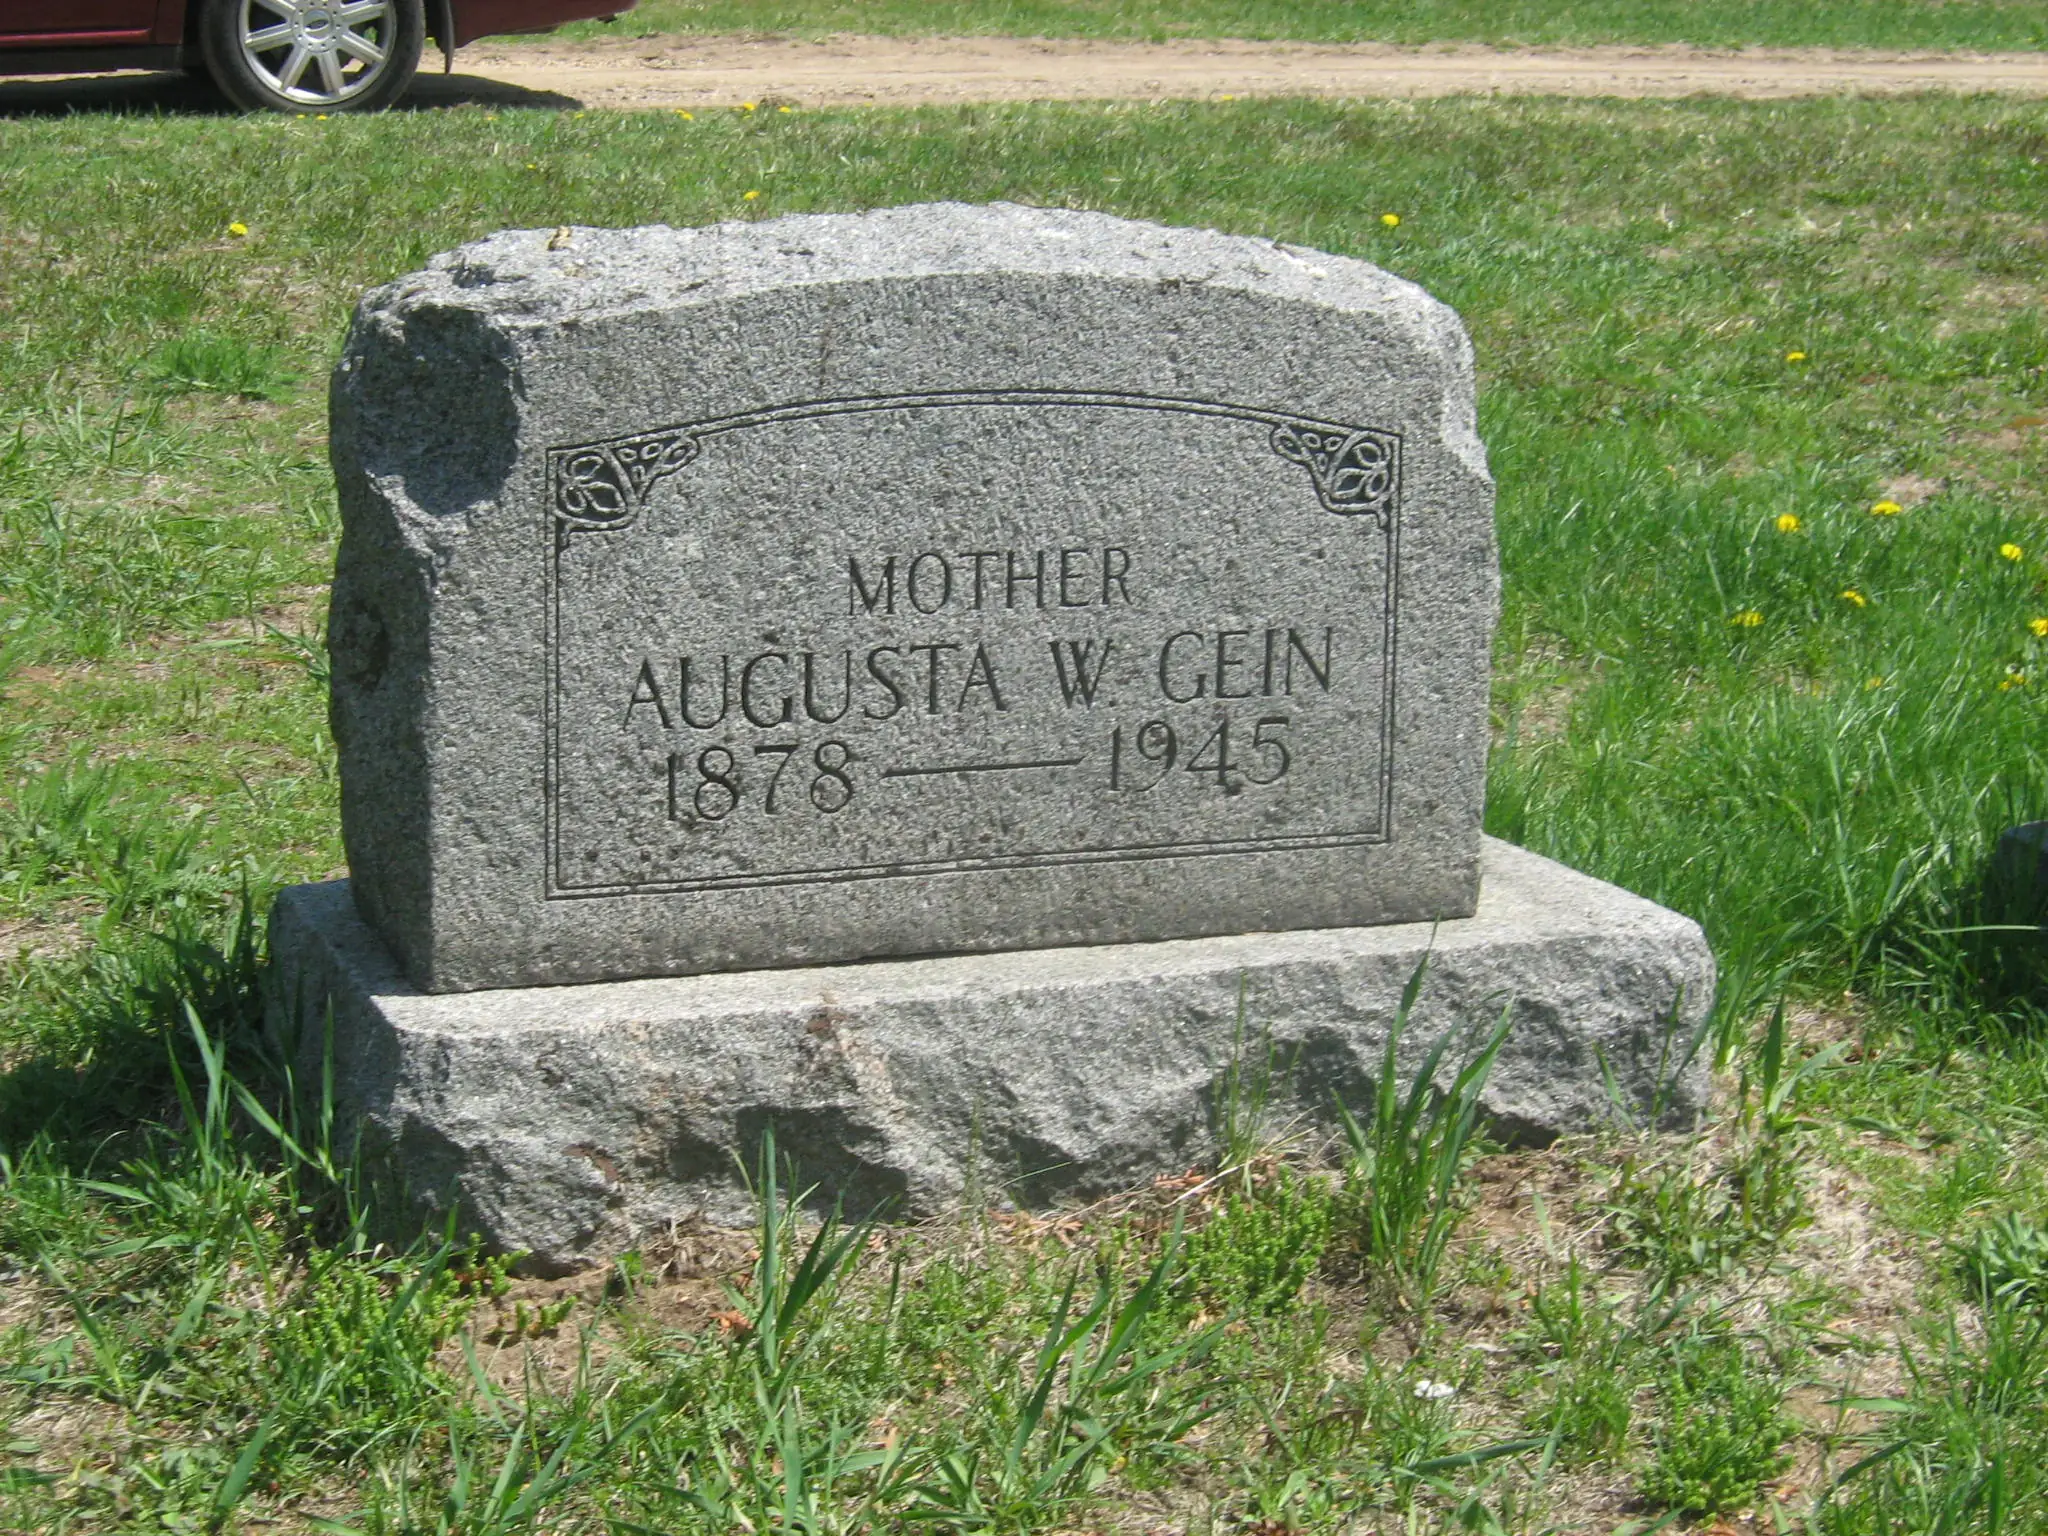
(604, 486)
(1354, 470)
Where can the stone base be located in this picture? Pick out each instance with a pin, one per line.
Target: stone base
(567, 1121)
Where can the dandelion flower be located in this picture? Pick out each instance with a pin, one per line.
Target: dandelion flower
(1391, 220)
(321, 117)
(1854, 598)
(2014, 678)
(2010, 552)
(688, 117)
(785, 110)
(1748, 618)
(1875, 682)
(1788, 522)
(746, 106)
(1795, 357)
(2039, 627)
(1226, 97)
(751, 194)
(238, 229)
(1885, 508)
(531, 166)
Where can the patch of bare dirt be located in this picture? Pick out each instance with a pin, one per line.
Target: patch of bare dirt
(30, 938)
(2018, 434)
(542, 1332)
(1910, 490)
(907, 71)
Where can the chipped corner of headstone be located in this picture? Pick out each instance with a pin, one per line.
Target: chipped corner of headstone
(1461, 415)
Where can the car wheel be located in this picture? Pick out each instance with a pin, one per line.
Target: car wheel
(312, 55)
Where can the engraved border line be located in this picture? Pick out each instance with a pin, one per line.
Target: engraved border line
(557, 530)
(854, 405)
(632, 494)
(840, 875)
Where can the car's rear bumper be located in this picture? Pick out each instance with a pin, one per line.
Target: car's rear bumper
(489, 18)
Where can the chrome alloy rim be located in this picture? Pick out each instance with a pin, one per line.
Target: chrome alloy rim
(317, 52)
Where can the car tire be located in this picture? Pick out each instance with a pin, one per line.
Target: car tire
(312, 55)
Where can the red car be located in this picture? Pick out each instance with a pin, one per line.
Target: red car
(276, 55)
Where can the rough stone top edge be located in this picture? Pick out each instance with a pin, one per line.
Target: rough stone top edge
(1526, 900)
(523, 277)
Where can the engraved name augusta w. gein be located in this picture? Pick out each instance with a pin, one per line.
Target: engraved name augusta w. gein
(906, 635)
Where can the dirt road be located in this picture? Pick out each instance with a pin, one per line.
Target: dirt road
(652, 73)
(903, 71)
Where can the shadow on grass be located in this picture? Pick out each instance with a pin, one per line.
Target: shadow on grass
(99, 1073)
(181, 95)
(1975, 943)
(2004, 935)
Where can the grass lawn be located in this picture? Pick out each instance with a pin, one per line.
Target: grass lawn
(1766, 392)
(1985, 24)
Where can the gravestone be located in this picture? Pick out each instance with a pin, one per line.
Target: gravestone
(916, 582)
(929, 680)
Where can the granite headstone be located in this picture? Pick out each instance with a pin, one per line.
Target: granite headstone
(943, 682)
(920, 581)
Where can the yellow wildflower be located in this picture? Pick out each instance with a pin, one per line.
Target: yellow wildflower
(746, 106)
(1875, 682)
(238, 229)
(2039, 627)
(1787, 522)
(1391, 220)
(751, 193)
(1795, 357)
(321, 117)
(1226, 97)
(1885, 508)
(1854, 598)
(2014, 678)
(688, 117)
(785, 109)
(2010, 551)
(1748, 618)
